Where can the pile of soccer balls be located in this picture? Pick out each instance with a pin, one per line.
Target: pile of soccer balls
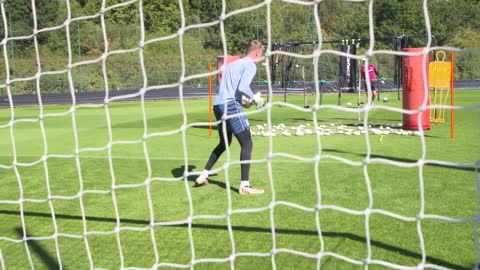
(329, 130)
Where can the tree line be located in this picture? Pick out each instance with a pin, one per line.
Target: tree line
(452, 23)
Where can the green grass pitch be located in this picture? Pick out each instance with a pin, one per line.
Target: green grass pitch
(448, 191)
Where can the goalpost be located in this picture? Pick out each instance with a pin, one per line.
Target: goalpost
(24, 241)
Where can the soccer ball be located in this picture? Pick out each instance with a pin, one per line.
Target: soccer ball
(385, 99)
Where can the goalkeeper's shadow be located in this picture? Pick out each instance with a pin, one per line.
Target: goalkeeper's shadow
(180, 172)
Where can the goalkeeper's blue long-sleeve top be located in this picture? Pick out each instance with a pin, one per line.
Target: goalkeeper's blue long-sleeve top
(236, 81)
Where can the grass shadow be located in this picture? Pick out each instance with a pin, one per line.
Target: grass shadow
(180, 171)
(47, 259)
(52, 263)
(399, 159)
(214, 127)
(297, 119)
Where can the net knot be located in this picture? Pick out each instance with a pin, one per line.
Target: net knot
(423, 108)
(420, 162)
(147, 181)
(369, 52)
(365, 161)
(271, 205)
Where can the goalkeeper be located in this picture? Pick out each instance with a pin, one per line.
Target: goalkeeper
(234, 86)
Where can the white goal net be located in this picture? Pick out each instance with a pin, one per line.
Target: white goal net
(34, 229)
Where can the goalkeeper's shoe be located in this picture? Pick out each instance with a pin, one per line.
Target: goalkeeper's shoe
(248, 190)
(201, 180)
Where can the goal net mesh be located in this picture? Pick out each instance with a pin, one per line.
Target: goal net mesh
(26, 243)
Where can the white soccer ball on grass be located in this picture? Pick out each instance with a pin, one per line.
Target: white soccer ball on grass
(299, 133)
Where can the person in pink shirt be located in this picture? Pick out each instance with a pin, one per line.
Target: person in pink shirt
(372, 74)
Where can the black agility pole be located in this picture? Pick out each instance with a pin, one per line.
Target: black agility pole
(321, 90)
(284, 85)
(377, 78)
(305, 104)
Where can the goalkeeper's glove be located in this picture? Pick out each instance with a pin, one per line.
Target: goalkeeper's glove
(258, 99)
(246, 102)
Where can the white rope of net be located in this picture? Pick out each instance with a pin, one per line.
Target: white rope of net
(317, 159)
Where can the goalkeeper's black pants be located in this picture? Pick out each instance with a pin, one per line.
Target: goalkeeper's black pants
(245, 140)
